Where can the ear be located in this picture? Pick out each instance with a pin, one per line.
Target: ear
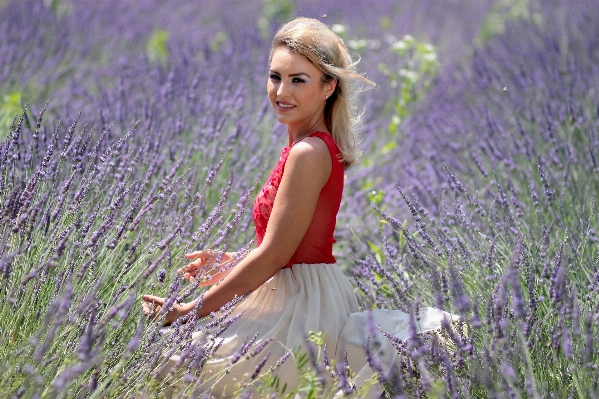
(330, 87)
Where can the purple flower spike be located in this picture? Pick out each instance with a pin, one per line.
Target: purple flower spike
(259, 366)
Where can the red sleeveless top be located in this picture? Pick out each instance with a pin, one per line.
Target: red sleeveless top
(317, 244)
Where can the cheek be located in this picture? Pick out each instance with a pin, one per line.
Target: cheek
(270, 89)
(313, 98)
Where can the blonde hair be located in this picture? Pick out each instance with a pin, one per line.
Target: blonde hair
(321, 46)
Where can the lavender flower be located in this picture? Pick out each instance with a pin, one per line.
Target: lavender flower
(281, 360)
(260, 347)
(259, 366)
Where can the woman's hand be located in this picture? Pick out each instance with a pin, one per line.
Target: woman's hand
(153, 304)
(201, 259)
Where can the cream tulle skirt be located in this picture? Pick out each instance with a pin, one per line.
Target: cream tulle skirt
(295, 301)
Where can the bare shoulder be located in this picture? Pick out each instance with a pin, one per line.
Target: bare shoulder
(311, 149)
(311, 158)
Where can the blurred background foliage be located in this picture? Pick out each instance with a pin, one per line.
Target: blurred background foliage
(504, 11)
(156, 49)
(135, 131)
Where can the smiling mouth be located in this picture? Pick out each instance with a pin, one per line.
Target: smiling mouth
(285, 105)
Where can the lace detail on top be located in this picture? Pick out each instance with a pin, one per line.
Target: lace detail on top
(266, 197)
(317, 244)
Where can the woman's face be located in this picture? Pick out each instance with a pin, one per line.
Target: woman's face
(295, 89)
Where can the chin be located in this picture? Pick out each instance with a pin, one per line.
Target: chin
(283, 120)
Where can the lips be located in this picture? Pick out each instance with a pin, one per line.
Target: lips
(283, 106)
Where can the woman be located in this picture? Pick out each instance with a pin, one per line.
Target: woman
(295, 285)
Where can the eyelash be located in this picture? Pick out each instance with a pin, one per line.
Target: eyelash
(294, 80)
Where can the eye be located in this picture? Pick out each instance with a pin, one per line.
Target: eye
(298, 80)
(274, 77)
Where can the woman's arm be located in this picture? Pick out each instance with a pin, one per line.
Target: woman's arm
(307, 170)
(201, 259)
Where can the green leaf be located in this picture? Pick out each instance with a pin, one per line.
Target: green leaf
(389, 146)
(10, 106)
(277, 11)
(156, 46)
(376, 250)
(218, 41)
(376, 196)
(385, 289)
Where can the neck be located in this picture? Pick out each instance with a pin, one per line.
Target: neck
(298, 133)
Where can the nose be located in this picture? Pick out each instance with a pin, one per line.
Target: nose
(282, 90)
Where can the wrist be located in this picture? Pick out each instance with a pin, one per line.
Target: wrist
(186, 308)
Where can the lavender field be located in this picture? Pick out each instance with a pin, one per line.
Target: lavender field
(132, 132)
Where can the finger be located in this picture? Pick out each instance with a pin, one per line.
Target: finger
(149, 308)
(152, 313)
(190, 274)
(153, 299)
(186, 269)
(196, 264)
(196, 254)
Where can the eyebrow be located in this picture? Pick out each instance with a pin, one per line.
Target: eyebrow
(291, 75)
